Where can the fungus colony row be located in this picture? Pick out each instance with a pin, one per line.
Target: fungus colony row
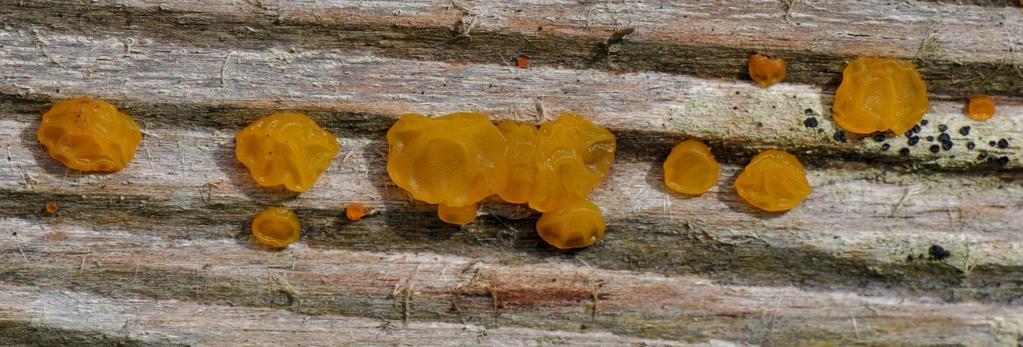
(457, 160)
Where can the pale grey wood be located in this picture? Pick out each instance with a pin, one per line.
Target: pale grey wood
(159, 252)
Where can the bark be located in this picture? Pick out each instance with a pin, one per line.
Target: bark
(160, 253)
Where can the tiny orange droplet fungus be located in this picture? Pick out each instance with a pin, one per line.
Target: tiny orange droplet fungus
(89, 135)
(355, 211)
(522, 62)
(691, 168)
(774, 181)
(766, 71)
(276, 227)
(51, 207)
(981, 108)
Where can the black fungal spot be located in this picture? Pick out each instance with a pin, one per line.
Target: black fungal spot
(923, 122)
(1003, 160)
(1003, 144)
(839, 136)
(810, 112)
(991, 143)
(878, 137)
(970, 145)
(942, 128)
(904, 152)
(810, 122)
(915, 129)
(938, 252)
(964, 130)
(760, 124)
(982, 155)
(935, 148)
(930, 138)
(913, 140)
(944, 137)
(946, 145)
(885, 147)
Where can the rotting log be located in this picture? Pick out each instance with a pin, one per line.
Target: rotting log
(159, 253)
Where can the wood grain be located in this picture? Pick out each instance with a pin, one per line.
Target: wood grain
(159, 254)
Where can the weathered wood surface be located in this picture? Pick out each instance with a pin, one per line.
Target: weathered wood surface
(159, 253)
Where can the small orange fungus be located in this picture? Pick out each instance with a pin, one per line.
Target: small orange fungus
(981, 107)
(51, 207)
(774, 181)
(453, 161)
(766, 71)
(276, 227)
(573, 156)
(355, 211)
(880, 95)
(286, 149)
(691, 168)
(89, 135)
(522, 62)
(576, 224)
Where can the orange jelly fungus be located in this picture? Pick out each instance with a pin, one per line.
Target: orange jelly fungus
(286, 149)
(773, 181)
(276, 227)
(453, 161)
(89, 135)
(51, 207)
(522, 140)
(766, 71)
(981, 107)
(355, 211)
(691, 168)
(576, 224)
(880, 95)
(573, 156)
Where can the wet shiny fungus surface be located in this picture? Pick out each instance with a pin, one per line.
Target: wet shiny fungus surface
(276, 227)
(766, 71)
(573, 156)
(522, 143)
(691, 168)
(773, 181)
(355, 211)
(576, 224)
(286, 149)
(981, 108)
(89, 135)
(880, 95)
(454, 160)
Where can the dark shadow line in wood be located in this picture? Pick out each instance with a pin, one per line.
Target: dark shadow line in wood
(661, 244)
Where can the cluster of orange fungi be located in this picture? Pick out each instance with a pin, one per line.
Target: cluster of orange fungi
(458, 160)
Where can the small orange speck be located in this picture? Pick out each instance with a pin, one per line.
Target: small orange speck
(355, 211)
(766, 71)
(522, 62)
(982, 108)
(51, 207)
